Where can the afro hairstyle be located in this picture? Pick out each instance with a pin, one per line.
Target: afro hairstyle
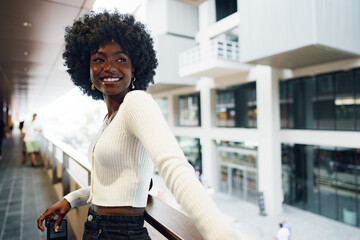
(93, 29)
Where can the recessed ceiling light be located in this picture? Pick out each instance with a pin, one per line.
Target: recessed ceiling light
(26, 53)
(27, 24)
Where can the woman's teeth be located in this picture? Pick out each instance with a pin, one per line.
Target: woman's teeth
(111, 79)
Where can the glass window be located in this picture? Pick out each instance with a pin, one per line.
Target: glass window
(251, 186)
(323, 180)
(283, 104)
(189, 110)
(299, 176)
(240, 177)
(225, 8)
(225, 109)
(251, 106)
(327, 181)
(357, 167)
(344, 101)
(237, 183)
(290, 105)
(192, 151)
(346, 184)
(357, 97)
(287, 176)
(223, 186)
(328, 101)
(236, 106)
(163, 104)
(325, 105)
(308, 97)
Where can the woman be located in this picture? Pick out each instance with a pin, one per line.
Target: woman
(110, 56)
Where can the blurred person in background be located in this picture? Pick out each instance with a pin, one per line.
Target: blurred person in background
(110, 57)
(2, 135)
(32, 131)
(283, 233)
(23, 148)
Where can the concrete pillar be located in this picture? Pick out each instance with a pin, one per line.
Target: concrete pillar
(269, 149)
(204, 86)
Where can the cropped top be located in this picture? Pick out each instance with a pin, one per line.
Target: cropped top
(122, 158)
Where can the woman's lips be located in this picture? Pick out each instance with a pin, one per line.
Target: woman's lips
(111, 80)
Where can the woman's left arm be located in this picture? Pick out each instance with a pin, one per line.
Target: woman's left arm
(146, 122)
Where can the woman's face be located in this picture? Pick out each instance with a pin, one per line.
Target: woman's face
(111, 69)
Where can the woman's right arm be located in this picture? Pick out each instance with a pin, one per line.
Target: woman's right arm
(61, 208)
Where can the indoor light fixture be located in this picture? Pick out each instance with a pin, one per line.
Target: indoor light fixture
(27, 24)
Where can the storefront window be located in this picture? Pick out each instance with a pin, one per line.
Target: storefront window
(327, 181)
(236, 106)
(322, 180)
(192, 151)
(189, 110)
(163, 104)
(223, 185)
(238, 168)
(346, 185)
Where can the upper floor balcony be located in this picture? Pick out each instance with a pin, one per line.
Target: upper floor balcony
(214, 59)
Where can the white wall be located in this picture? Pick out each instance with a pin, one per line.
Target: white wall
(156, 15)
(182, 19)
(169, 16)
(338, 24)
(168, 48)
(277, 26)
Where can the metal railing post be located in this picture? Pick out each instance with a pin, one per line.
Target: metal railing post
(54, 166)
(65, 175)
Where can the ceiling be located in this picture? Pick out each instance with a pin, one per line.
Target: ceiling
(31, 44)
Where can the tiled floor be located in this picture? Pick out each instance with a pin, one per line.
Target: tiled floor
(25, 192)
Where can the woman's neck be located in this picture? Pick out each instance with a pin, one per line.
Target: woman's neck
(113, 102)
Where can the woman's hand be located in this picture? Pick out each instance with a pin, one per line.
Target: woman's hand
(59, 209)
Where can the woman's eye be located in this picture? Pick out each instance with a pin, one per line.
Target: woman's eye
(121, 60)
(98, 60)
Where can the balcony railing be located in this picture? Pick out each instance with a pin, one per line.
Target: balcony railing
(217, 49)
(70, 171)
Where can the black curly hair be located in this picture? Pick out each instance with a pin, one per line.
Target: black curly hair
(93, 29)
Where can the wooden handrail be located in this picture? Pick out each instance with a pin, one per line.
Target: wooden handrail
(167, 221)
(171, 223)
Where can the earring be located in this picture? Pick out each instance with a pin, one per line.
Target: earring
(132, 83)
(92, 85)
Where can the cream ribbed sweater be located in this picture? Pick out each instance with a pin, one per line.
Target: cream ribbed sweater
(122, 157)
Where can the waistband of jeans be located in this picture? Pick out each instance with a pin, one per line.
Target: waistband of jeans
(127, 218)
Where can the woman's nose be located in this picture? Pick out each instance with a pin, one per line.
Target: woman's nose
(109, 66)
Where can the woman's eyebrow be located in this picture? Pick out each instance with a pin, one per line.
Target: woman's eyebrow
(115, 53)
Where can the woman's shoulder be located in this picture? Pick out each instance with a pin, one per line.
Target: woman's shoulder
(138, 96)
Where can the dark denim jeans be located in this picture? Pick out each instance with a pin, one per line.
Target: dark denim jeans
(113, 227)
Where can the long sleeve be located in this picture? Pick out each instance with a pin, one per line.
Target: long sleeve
(145, 121)
(79, 197)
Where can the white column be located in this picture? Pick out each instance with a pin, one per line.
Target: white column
(269, 149)
(204, 86)
(172, 111)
